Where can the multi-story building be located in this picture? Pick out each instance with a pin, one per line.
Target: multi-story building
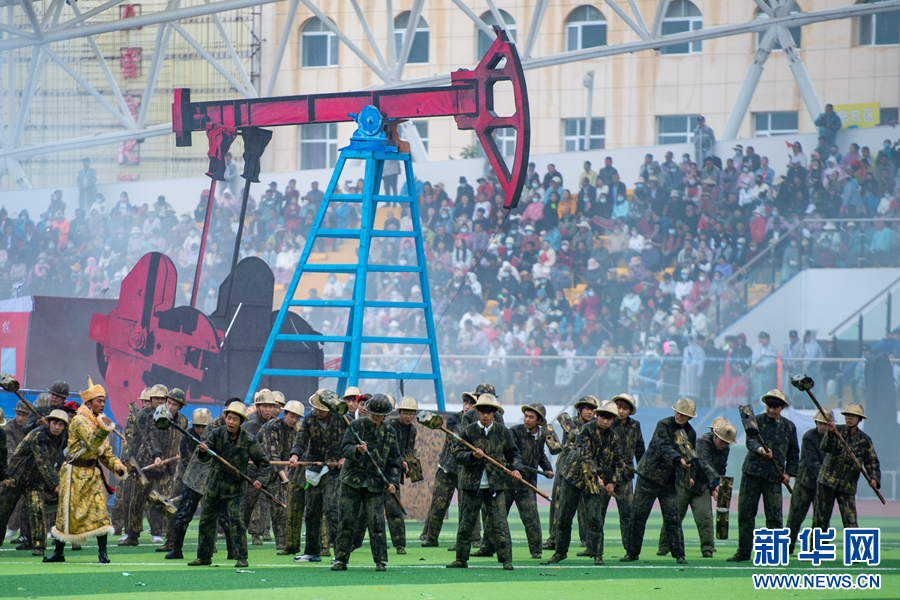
(645, 98)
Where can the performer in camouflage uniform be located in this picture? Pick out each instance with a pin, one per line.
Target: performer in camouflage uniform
(362, 487)
(256, 513)
(224, 488)
(632, 441)
(839, 474)
(405, 430)
(193, 480)
(33, 469)
(811, 459)
(82, 511)
(706, 472)
(276, 438)
(759, 477)
(584, 411)
(530, 437)
(59, 393)
(15, 433)
(147, 453)
(592, 469)
(319, 440)
(482, 485)
(128, 450)
(657, 471)
(445, 481)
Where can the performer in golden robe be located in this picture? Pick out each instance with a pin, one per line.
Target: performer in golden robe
(82, 512)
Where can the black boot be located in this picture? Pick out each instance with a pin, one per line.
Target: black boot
(177, 544)
(102, 557)
(58, 554)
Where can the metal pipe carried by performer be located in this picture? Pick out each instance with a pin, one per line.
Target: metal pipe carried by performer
(433, 421)
(805, 383)
(163, 420)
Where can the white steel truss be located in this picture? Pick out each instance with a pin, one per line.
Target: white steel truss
(63, 20)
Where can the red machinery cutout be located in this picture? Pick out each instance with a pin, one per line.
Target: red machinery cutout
(469, 98)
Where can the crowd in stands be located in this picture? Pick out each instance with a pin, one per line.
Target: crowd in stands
(595, 267)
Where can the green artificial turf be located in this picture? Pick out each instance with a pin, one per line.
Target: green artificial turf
(139, 573)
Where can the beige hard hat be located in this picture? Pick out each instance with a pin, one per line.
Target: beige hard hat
(855, 410)
(352, 392)
(607, 407)
(726, 433)
(238, 409)
(145, 395)
(158, 391)
(22, 407)
(59, 415)
(470, 397)
(201, 416)
(686, 407)
(2, 418)
(295, 407)
(538, 408)
(774, 395)
(626, 398)
(408, 403)
(718, 422)
(264, 396)
(591, 401)
(392, 400)
(279, 398)
(489, 400)
(819, 418)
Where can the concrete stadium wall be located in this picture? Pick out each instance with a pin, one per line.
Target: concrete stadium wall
(817, 299)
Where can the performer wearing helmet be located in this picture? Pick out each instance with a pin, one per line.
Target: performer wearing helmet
(224, 487)
(276, 437)
(592, 469)
(405, 429)
(361, 486)
(482, 485)
(82, 511)
(584, 414)
(192, 486)
(33, 470)
(127, 450)
(656, 480)
(709, 468)
(632, 441)
(839, 475)
(811, 459)
(319, 440)
(59, 393)
(256, 513)
(758, 475)
(145, 454)
(445, 481)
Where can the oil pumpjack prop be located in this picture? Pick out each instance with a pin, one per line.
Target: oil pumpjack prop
(147, 339)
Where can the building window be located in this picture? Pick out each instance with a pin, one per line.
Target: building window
(319, 45)
(888, 116)
(676, 129)
(505, 139)
(682, 16)
(573, 134)
(585, 28)
(879, 30)
(422, 127)
(485, 41)
(318, 146)
(418, 51)
(775, 123)
(795, 31)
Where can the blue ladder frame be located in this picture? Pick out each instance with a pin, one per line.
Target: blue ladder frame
(349, 372)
